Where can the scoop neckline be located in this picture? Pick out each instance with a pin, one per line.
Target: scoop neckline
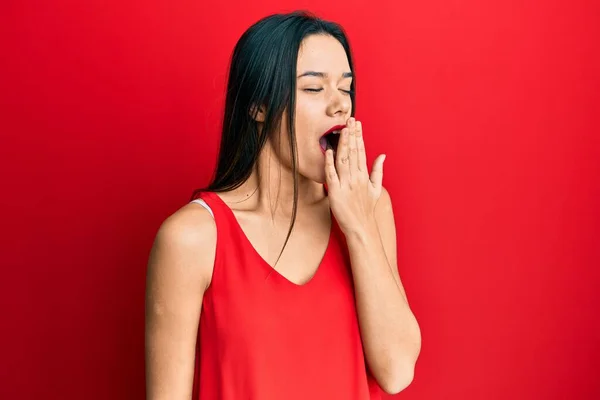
(260, 258)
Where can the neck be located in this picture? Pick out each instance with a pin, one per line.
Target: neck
(270, 187)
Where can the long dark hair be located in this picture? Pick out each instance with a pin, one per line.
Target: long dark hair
(262, 73)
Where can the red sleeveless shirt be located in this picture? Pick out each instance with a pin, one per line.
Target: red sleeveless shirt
(263, 337)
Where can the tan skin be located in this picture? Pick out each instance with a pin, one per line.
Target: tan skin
(182, 257)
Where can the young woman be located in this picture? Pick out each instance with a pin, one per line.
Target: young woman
(279, 281)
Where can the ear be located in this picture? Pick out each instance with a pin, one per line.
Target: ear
(258, 114)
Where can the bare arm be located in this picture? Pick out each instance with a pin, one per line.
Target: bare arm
(179, 270)
(389, 330)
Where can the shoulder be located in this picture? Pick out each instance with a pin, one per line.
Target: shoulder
(185, 244)
(191, 223)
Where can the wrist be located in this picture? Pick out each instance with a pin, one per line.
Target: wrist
(364, 234)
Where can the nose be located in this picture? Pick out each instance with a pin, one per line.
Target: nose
(340, 104)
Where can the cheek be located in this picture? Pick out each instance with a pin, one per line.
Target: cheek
(309, 121)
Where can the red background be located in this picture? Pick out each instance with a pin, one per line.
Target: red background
(488, 112)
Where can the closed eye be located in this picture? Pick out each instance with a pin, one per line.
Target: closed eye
(318, 90)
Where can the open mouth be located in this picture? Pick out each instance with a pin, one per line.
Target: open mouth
(330, 140)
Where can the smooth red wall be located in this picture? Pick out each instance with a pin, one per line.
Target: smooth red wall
(488, 112)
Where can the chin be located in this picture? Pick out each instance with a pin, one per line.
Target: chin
(320, 178)
(317, 178)
(312, 175)
(313, 169)
(321, 181)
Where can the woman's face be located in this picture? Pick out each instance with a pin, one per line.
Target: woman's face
(322, 102)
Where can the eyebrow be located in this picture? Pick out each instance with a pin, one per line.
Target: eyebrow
(323, 74)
